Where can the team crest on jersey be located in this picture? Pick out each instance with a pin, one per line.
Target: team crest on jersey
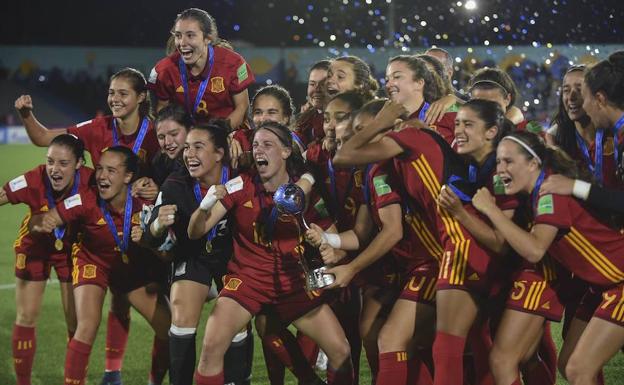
(89, 271)
(18, 183)
(608, 147)
(233, 284)
(545, 205)
(217, 85)
(20, 261)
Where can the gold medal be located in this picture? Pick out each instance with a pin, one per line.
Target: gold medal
(208, 247)
(58, 245)
(124, 258)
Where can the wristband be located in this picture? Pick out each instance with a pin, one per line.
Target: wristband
(581, 189)
(332, 239)
(307, 176)
(209, 200)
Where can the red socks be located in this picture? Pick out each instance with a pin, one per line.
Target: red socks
(76, 362)
(448, 351)
(392, 368)
(116, 339)
(160, 361)
(309, 348)
(481, 345)
(287, 350)
(342, 376)
(24, 345)
(217, 379)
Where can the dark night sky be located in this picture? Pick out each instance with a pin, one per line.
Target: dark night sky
(356, 23)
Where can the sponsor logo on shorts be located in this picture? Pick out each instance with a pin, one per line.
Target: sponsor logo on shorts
(20, 261)
(89, 271)
(233, 284)
(216, 85)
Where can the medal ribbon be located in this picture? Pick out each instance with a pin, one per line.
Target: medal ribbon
(596, 167)
(225, 176)
(122, 244)
(139, 140)
(423, 111)
(536, 189)
(59, 232)
(616, 131)
(202, 85)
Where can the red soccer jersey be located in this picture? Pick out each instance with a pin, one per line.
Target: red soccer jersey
(273, 264)
(97, 244)
(310, 129)
(585, 245)
(419, 244)
(230, 75)
(30, 189)
(343, 190)
(445, 127)
(421, 168)
(97, 135)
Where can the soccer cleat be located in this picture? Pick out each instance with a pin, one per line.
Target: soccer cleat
(112, 378)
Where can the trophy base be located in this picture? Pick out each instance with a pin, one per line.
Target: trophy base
(318, 278)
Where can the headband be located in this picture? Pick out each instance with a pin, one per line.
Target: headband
(490, 82)
(526, 147)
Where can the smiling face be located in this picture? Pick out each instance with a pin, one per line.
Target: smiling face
(200, 155)
(571, 95)
(336, 119)
(472, 137)
(61, 166)
(594, 107)
(400, 84)
(123, 100)
(269, 154)
(517, 172)
(111, 175)
(340, 77)
(316, 88)
(268, 108)
(191, 42)
(171, 136)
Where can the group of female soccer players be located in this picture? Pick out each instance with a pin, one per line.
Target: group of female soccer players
(454, 232)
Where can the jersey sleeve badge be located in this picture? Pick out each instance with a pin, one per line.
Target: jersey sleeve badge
(72, 201)
(18, 183)
(545, 205)
(234, 185)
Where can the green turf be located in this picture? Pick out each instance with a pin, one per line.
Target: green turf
(51, 337)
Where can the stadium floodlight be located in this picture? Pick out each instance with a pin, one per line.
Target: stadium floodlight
(471, 5)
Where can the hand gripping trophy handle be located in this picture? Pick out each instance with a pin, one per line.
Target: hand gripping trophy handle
(290, 199)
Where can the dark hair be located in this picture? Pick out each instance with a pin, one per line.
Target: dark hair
(353, 98)
(72, 142)
(321, 65)
(281, 94)
(206, 23)
(448, 60)
(217, 130)
(433, 86)
(174, 112)
(607, 76)
(551, 157)
(440, 72)
(492, 115)
(565, 137)
(131, 160)
(372, 107)
(364, 80)
(494, 78)
(139, 85)
(295, 164)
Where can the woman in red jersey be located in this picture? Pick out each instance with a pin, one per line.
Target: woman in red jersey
(204, 75)
(410, 83)
(424, 162)
(576, 238)
(264, 275)
(309, 124)
(103, 256)
(42, 189)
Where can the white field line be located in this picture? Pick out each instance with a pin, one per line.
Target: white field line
(11, 286)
